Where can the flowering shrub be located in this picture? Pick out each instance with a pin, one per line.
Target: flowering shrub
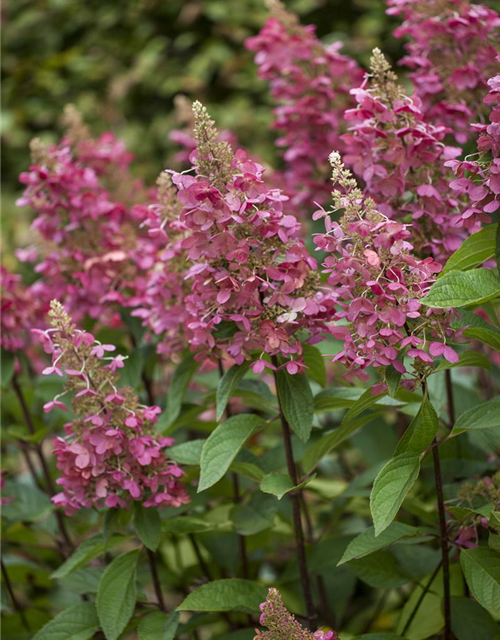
(210, 433)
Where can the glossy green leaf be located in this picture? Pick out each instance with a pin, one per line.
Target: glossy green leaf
(227, 385)
(158, 626)
(297, 402)
(223, 445)
(185, 525)
(481, 567)
(467, 359)
(117, 594)
(147, 524)
(367, 542)
(187, 452)
(79, 622)
(315, 363)
(226, 595)
(390, 488)
(279, 484)
(463, 288)
(483, 416)
(84, 553)
(177, 388)
(474, 251)
(421, 432)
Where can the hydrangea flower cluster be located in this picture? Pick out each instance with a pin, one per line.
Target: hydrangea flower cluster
(378, 284)
(247, 281)
(282, 625)
(401, 159)
(111, 454)
(311, 83)
(451, 51)
(17, 311)
(479, 175)
(94, 253)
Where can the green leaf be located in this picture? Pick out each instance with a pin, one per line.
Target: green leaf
(481, 567)
(248, 470)
(467, 359)
(187, 452)
(474, 251)
(392, 378)
(367, 542)
(317, 450)
(6, 367)
(177, 389)
(315, 363)
(365, 401)
(227, 385)
(226, 595)
(469, 621)
(391, 485)
(255, 516)
(158, 626)
(296, 401)
(79, 622)
(380, 570)
(379, 636)
(84, 553)
(462, 288)
(147, 524)
(185, 525)
(130, 375)
(117, 594)
(279, 484)
(487, 336)
(484, 416)
(223, 445)
(336, 398)
(421, 431)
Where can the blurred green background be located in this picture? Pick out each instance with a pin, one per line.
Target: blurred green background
(123, 63)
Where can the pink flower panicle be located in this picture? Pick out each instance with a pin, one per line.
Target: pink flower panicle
(17, 311)
(451, 52)
(478, 176)
(378, 284)
(401, 159)
(311, 83)
(237, 277)
(111, 454)
(282, 625)
(81, 191)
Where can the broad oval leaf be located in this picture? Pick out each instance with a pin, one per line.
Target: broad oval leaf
(315, 363)
(79, 622)
(485, 416)
(467, 359)
(462, 288)
(223, 445)
(481, 567)
(117, 594)
(469, 621)
(474, 251)
(296, 402)
(158, 626)
(85, 552)
(391, 485)
(232, 594)
(187, 452)
(185, 525)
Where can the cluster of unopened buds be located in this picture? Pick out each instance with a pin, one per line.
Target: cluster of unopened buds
(311, 83)
(451, 48)
(235, 277)
(282, 625)
(111, 454)
(377, 284)
(485, 491)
